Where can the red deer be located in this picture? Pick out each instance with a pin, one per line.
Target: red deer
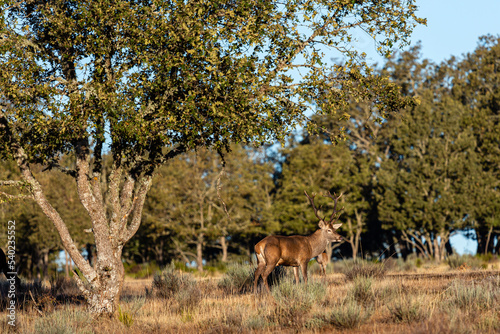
(296, 250)
(322, 260)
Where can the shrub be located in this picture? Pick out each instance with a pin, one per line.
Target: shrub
(470, 296)
(360, 268)
(63, 321)
(294, 301)
(170, 281)
(188, 298)
(238, 278)
(257, 323)
(407, 309)
(362, 290)
(466, 261)
(349, 314)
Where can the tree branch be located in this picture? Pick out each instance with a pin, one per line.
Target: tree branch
(9, 183)
(140, 197)
(52, 214)
(64, 170)
(10, 198)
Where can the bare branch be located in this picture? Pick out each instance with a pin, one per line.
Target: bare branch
(219, 187)
(10, 197)
(64, 170)
(12, 183)
(140, 197)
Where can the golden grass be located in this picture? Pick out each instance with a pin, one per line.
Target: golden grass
(426, 301)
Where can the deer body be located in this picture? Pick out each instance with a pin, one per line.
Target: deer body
(296, 250)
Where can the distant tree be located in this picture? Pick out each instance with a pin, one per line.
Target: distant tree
(196, 202)
(150, 81)
(476, 85)
(432, 152)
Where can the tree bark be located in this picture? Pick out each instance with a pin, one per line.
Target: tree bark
(66, 264)
(224, 246)
(199, 253)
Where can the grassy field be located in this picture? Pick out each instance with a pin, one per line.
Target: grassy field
(360, 297)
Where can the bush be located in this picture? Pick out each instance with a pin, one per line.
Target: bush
(470, 296)
(238, 278)
(466, 261)
(399, 264)
(294, 301)
(63, 321)
(407, 310)
(360, 268)
(362, 290)
(177, 286)
(349, 314)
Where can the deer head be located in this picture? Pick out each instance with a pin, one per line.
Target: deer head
(328, 228)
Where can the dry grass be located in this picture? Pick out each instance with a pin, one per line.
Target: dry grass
(427, 301)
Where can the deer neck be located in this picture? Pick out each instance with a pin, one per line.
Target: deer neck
(318, 243)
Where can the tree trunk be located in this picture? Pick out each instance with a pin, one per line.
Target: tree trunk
(486, 247)
(224, 246)
(483, 244)
(104, 294)
(66, 265)
(199, 254)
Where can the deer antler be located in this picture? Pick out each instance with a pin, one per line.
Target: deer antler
(335, 199)
(312, 203)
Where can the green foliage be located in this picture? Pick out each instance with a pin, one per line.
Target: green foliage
(221, 67)
(141, 270)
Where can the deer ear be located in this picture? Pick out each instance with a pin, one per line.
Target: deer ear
(321, 224)
(336, 226)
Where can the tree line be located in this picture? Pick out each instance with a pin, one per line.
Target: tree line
(410, 179)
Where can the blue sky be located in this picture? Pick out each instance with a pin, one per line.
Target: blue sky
(453, 29)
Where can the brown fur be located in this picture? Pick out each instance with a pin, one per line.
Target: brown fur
(295, 251)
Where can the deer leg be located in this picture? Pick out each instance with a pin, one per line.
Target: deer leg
(261, 265)
(303, 266)
(296, 273)
(269, 268)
